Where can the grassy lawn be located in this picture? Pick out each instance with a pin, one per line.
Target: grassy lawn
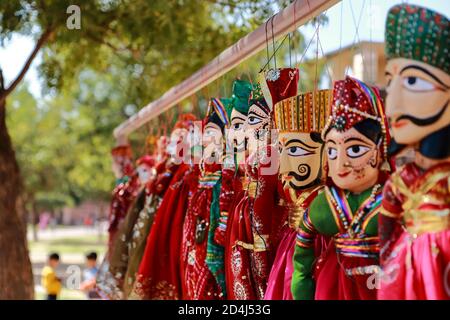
(66, 294)
(79, 245)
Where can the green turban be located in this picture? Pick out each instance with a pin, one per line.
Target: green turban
(418, 33)
(241, 94)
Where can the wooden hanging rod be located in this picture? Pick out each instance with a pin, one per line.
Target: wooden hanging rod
(289, 19)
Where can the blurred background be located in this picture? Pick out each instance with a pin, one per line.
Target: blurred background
(63, 91)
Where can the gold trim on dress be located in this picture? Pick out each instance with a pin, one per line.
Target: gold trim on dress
(261, 243)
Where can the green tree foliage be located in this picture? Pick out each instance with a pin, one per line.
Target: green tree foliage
(126, 54)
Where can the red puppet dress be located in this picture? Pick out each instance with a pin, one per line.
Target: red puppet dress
(199, 282)
(122, 197)
(158, 277)
(252, 236)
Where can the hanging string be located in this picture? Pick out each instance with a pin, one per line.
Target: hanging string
(314, 35)
(223, 83)
(273, 44)
(340, 38)
(295, 30)
(247, 73)
(273, 54)
(218, 82)
(326, 62)
(309, 44)
(356, 37)
(316, 71)
(267, 42)
(290, 53)
(317, 59)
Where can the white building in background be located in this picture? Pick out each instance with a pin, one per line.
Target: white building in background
(365, 61)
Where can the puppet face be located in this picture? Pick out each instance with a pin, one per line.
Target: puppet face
(257, 127)
(118, 165)
(176, 143)
(212, 142)
(353, 160)
(236, 135)
(194, 137)
(300, 160)
(417, 99)
(145, 173)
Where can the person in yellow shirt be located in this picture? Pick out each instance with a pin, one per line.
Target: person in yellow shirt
(49, 280)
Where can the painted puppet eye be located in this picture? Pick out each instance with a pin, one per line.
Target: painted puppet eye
(388, 82)
(210, 133)
(357, 151)
(298, 152)
(237, 126)
(332, 153)
(254, 120)
(417, 84)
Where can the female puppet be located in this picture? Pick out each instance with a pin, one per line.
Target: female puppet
(124, 192)
(123, 195)
(415, 221)
(202, 273)
(123, 243)
(130, 245)
(233, 168)
(158, 274)
(257, 215)
(300, 121)
(347, 209)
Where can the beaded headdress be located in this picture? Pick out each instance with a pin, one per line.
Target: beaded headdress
(418, 33)
(278, 84)
(306, 112)
(353, 102)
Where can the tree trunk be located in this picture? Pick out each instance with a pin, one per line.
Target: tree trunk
(16, 276)
(35, 220)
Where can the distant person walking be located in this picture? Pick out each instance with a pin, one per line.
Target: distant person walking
(49, 280)
(89, 276)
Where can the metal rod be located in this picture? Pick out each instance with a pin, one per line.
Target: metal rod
(251, 44)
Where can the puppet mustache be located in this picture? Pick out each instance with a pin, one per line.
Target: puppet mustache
(305, 171)
(424, 122)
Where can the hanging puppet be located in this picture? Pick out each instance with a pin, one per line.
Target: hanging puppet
(158, 275)
(257, 216)
(233, 168)
(145, 167)
(415, 221)
(300, 121)
(347, 210)
(202, 258)
(124, 192)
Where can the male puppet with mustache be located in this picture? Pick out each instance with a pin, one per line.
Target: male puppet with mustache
(415, 224)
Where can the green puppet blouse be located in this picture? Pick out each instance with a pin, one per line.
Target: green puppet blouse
(343, 216)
